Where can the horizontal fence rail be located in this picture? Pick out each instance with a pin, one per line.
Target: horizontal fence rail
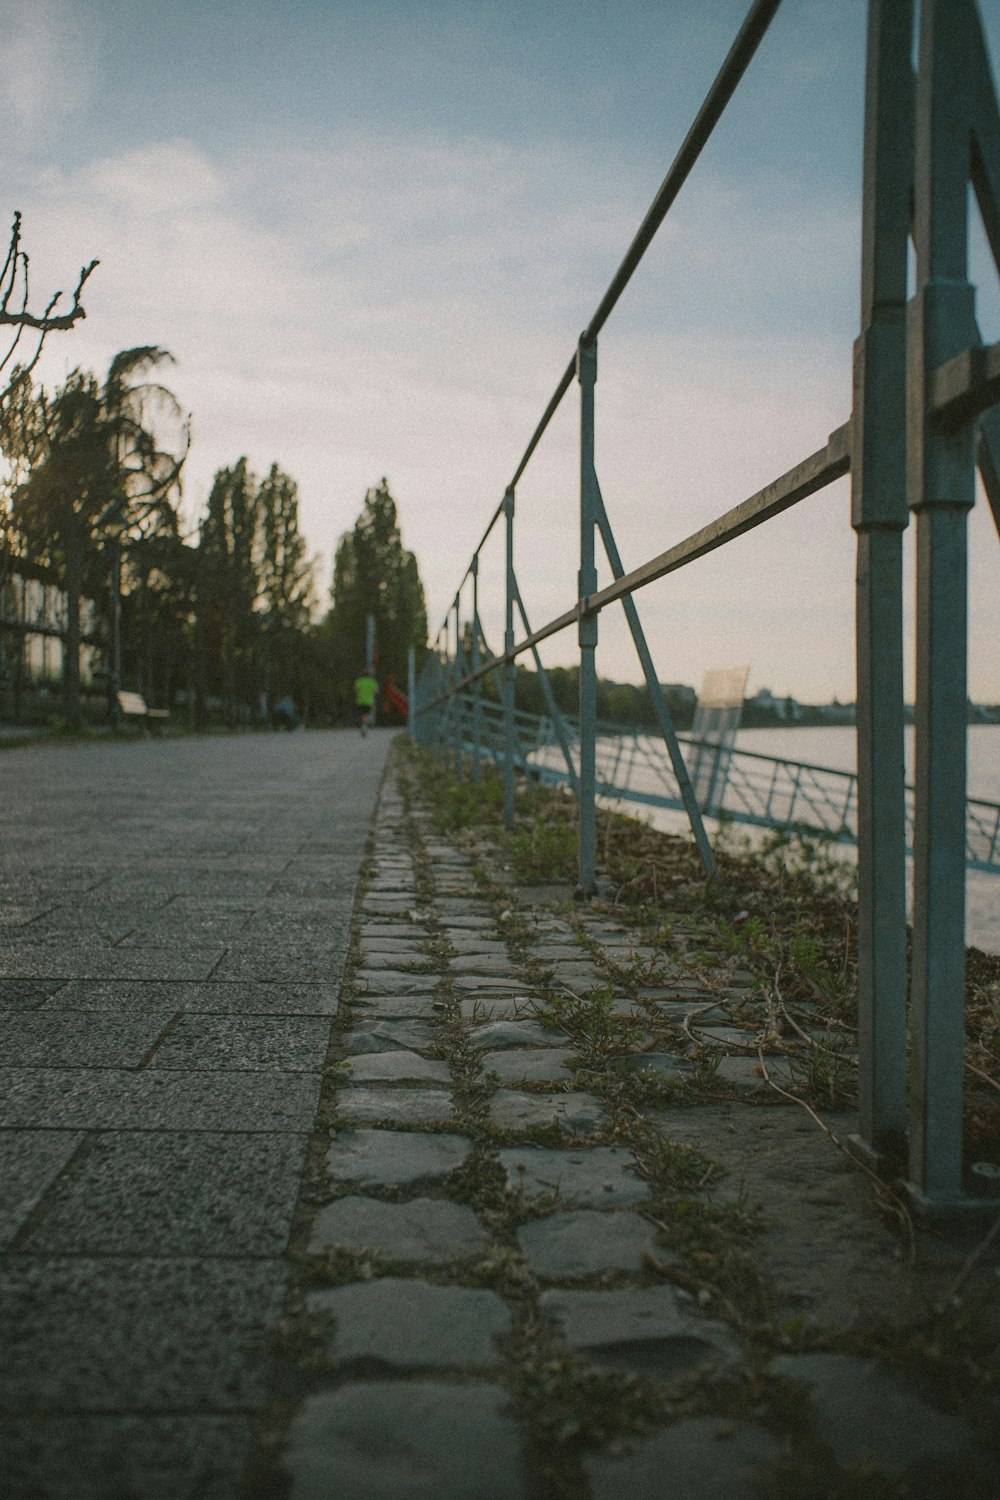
(924, 394)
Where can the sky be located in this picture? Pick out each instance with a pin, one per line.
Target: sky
(370, 233)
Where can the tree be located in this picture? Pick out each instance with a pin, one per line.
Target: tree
(103, 454)
(15, 314)
(228, 579)
(256, 581)
(374, 575)
(287, 581)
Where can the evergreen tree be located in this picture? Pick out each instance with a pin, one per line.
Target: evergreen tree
(256, 584)
(229, 580)
(374, 575)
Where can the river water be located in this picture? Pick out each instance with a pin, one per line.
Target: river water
(835, 746)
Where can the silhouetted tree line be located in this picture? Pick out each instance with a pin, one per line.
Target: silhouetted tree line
(218, 623)
(620, 703)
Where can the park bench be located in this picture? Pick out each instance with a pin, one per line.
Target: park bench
(133, 706)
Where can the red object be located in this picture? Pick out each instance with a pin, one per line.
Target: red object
(396, 699)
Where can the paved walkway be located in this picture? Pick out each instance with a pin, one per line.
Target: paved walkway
(174, 924)
(417, 1245)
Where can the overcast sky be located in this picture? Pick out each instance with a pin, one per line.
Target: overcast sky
(370, 233)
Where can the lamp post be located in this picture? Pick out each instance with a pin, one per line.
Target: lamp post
(113, 518)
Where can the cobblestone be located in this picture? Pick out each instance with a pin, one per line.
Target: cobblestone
(447, 1443)
(380, 1158)
(401, 1106)
(425, 1229)
(588, 1177)
(584, 1242)
(409, 1324)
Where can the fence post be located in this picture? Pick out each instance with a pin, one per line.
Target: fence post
(456, 697)
(477, 711)
(586, 374)
(879, 517)
(510, 667)
(941, 493)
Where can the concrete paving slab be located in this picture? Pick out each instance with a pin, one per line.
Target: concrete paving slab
(175, 1193)
(640, 1328)
(280, 1044)
(214, 998)
(426, 1230)
(410, 1324)
(67, 1039)
(704, 1457)
(76, 961)
(448, 1443)
(93, 925)
(379, 1158)
(401, 1066)
(584, 1242)
(30, 1160)
(189, 1457)
(593, 1176)
(400, 1106)
(81, 1099)
(130, 1335)
(224, 925)
(319, 962)
(574, 1114)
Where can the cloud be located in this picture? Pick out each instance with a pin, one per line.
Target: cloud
(167, 177)
(47, 65)
(407, 307)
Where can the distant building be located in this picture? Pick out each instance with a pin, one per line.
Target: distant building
(33, 630)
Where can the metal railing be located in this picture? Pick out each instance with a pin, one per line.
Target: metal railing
(762, 791)
(921, 417)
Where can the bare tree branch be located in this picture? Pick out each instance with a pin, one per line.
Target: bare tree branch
(15, 288)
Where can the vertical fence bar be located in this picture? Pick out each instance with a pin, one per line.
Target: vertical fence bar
(558, 722)
(477, 705)
(456, 696)
(653, 685)
(586, 374)
(510, 666)
(942, 491)
(879, 517)
(411, 694)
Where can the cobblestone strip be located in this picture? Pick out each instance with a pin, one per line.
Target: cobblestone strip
(506, 1296)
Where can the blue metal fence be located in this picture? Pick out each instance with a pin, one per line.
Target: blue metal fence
(924, 412)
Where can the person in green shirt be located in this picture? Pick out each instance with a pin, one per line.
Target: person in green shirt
(365, 694)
